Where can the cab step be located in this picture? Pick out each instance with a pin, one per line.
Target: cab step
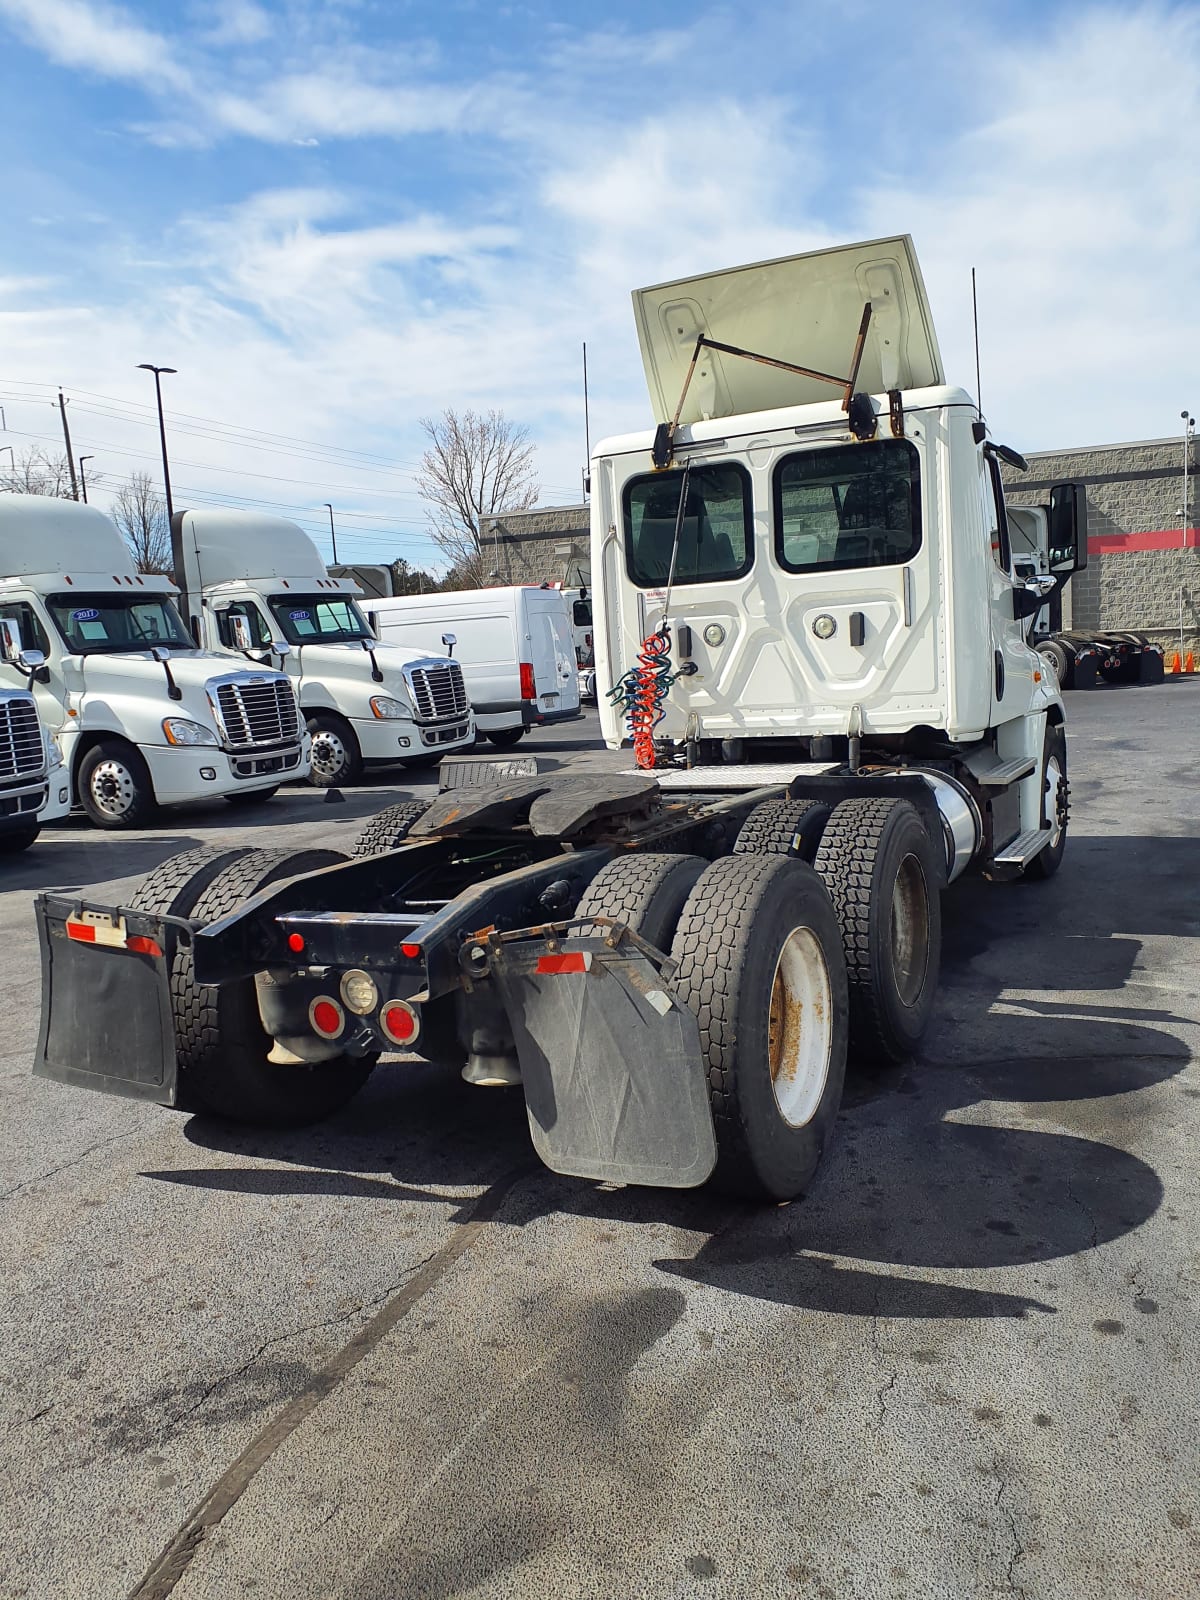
(1021, 851)
(1006, 772)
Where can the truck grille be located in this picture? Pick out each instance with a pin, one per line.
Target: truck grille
(22, 753)
(257, 712)
(438, 691)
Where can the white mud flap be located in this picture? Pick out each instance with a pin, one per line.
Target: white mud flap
(610, 1061)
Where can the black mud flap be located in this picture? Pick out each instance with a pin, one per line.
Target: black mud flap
(610, 1061)
(1151, 667)
(106, 999)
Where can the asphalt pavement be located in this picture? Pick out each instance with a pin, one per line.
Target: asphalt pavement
(393, 1357)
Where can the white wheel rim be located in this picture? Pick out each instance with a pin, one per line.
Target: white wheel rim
(328, 754)
(800, 1028)
(910, 930)
(1054, 778)
(112, 788)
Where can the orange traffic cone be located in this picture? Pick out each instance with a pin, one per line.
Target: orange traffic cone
(1189, 662)
(1174, 667)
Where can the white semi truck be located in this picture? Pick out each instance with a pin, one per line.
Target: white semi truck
(143, 717)
(806, 608)
(34, 788)
(253, 582)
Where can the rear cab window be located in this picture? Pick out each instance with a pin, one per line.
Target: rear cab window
(841, 507)
(716, 540)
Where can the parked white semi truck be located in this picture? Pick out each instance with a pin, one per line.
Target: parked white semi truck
(803, 598)
(252, 582)
(34, 787)
(142, 716)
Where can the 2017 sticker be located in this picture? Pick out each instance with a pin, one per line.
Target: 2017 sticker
(88, 614)
(299, 616)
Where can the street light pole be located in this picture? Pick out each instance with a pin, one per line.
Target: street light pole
(1189, 429)
(83, 476)
(145, 366)
(332, 531)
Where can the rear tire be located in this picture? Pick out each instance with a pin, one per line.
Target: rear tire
(645, 892)
(336, 756)
(174, 886)
(760, 964)
(113, 785)
(389, 828)
(505, 738)
(1056, 806)
(220, 1042)
(878, 862)
(783, 828)
(1059, 658)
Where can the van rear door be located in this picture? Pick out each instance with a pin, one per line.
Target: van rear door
(552, 642)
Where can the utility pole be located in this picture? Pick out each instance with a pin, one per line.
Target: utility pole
(145, 366)
(332, 531)
(83, 476)
(1189, 428)
(62, 406)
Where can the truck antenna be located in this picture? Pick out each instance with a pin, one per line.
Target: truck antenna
(587, 430)
(975, 315)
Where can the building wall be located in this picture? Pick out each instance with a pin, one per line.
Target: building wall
(549, 546)
(1142, 565)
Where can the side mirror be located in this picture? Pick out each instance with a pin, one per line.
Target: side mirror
(1067, 516)
(239, 632)
(583, 591)
(1029, 597)
(450, 640)
(31, 660)
(281, 648)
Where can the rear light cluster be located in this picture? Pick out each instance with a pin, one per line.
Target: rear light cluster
(398, 1021)
(528, 687)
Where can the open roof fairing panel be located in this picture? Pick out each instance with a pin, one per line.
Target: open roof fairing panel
(802, 309)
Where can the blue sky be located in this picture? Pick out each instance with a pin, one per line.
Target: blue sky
(336, 218)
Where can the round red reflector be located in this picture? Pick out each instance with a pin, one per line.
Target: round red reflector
(327, 1017)
(399, 1022)
(412, 951)
(296, 942)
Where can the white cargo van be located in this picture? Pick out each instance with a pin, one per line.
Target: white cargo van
(516, 647)
(142, 716)
(253, 581)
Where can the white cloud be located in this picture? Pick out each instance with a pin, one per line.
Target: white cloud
(99, 39)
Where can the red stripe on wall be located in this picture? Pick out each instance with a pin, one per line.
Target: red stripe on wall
(1102, 544)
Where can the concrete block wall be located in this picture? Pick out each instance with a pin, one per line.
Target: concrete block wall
(1143, 571)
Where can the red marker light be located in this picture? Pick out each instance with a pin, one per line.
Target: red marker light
(412, 951)
(399, 1022)
(85, 932)
(528, 687)
(327, 1017)
(296, 942)
(142, 945)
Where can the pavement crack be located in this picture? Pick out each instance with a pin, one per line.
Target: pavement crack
(1017, 1552)
(882, 1356)
(1076, 1200)
(75, 1161)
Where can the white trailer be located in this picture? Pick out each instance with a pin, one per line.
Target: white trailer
(253, 583)
(143, 717)
(808, 613)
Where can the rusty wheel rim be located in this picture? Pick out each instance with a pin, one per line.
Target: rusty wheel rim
(800, 1027)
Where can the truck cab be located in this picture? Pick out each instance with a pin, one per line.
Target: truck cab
(33, 785)
(832, 568)
(143, 717)
(257, 587)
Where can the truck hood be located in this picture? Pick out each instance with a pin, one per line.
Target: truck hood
(139, 674)
(351, 661)
(803, 309)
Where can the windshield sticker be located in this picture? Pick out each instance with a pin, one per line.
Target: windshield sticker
(299, 616)
(89, 614)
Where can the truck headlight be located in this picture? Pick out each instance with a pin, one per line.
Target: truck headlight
(179, 730)
(385, 706)
(54, 755)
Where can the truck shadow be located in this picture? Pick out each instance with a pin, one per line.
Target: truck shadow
(1018, 1138)
(80, 858)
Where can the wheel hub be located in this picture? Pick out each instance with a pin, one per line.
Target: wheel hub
(1057, 813)
(328, 754)
(910, 930)
(800, 1027)
(113, 788)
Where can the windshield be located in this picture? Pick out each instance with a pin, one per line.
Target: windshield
(842, 506)
(715, 540)
(319, 618)
(90, 623)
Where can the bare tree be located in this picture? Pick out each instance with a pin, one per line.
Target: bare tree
(139, 511)
(476, 466)
(36, 472)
